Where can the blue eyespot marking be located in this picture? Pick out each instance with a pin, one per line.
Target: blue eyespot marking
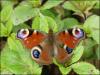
(69, 50)
(36, 53)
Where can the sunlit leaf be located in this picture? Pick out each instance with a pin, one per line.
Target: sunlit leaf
(36, 23)
(20, 57)
(3, 30)
(6, 13)
(23, 13)
(40, 23)
(9, 26)
(79, 5)
(50, 3)
(97, 5)
(70, 22)
(95, 34)
(91, 26)
(68, 5)
(35, 3)
(65, 70)
(77, 54)
(84, 68)
(92, 22)
(11, 61)
(44, 23)
(20, 26)
(52, 24)
(48, 13)
(5, 3)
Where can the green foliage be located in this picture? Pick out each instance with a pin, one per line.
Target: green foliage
(79, 6)
(77, 54)
(6, 28)
(16, 59)
(6, 13)
(84, 68)
(88, 47)
(91, 26)
(57, 15)
(6, 22)
(50, 3)
(69, 22)
(97, 53)
(43, 23)
(23, 12)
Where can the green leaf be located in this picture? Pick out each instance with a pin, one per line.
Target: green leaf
(23, 13)
(6, 13)
(79, 6)
(77, 54)
(69, 22)
(3, 30)
(64, 70)
(97, 5)
(20, 26)
(84, 68)
(9, 26)
(35, 3)
(95, 34)
(4, 71)
(50, 3)
(11, 61)
(48, 13)
(36, 23)
(68, 5)
(88, 47)
(43, 23)
(6, 29)
(5, 3)
(92, 22)
(91, 26)
(97, 53)
(52, 24)
(24, 57)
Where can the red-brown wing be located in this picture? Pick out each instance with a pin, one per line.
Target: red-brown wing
(66, 41)
(45, 57)
(33, 40)
(30, 38)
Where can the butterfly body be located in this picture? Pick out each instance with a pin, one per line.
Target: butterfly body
(46, 46)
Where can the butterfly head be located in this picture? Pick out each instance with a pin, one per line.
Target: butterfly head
(23, 33)
(77, 33)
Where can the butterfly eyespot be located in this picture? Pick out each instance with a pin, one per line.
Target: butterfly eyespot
(23, 33)
(35, 52)
(69, 50)
(78, 33)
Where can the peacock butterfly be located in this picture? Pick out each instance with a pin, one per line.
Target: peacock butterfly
(45, 46)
